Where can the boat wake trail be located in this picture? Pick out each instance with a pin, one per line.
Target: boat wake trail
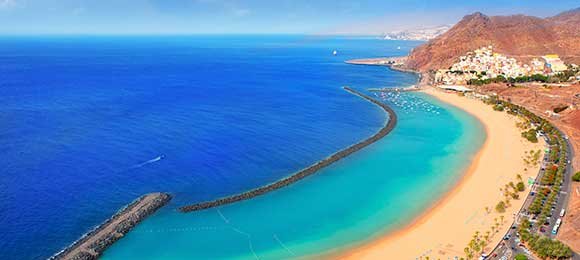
(154, 160)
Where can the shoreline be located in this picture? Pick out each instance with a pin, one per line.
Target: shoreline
(312, 169)
(434, 241)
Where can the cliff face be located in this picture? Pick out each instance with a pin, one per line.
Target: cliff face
(516, 35)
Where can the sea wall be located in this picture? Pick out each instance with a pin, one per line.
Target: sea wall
(394, 63)
(388, 127)
(93, 244)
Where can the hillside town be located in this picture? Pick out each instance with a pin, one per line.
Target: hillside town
(485, 64)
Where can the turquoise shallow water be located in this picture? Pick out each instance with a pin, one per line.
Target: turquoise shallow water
(357, 199)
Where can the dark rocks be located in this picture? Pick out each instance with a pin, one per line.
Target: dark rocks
(94, 243)
(307, 171)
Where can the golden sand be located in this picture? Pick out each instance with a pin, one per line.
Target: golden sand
(445, 230)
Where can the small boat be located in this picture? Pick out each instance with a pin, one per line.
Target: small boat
(334, 52)
(398, 47)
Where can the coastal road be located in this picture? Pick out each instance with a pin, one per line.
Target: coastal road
(566, 187)
(510, 247)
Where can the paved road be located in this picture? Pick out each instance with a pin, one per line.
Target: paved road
(566, 188)
(509, 247)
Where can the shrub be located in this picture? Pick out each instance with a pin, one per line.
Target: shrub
(530, 135)
(521, 257)
(498, 107)
(500, 207)
(576, 177)
(521, 186)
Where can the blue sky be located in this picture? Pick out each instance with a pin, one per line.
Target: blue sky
(249, 16)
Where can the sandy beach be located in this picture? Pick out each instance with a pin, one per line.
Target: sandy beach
(447, 227)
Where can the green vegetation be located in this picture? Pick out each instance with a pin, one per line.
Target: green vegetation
(521, 186)
(523, 125)
(500, 207)
(532, 158)
(498, 107)
(576, 176)
(542, 246)
(556, 78)
(477, 244)
(521, 257)
(551, 180)
(530, 135)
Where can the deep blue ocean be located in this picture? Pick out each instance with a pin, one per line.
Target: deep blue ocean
(89, 123)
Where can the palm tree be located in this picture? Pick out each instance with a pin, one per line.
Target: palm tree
(519, 177)
(467, 251)
(501, 217)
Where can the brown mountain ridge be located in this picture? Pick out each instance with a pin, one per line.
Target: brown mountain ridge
(516, 35)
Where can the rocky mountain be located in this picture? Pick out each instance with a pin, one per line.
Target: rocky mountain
(517, 35)
(423, 34)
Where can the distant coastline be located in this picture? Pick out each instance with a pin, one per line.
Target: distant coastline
(386, 129)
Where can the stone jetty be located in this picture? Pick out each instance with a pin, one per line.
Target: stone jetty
(93, 244)
(395, 63)
(309, 170)
(390, 61)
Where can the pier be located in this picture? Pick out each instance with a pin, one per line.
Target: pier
(94, 243)
(390, 61)
(386, 129)
(394, 63)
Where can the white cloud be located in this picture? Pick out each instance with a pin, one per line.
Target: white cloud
(7, 4)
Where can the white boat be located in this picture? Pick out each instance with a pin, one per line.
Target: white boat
(334, 52)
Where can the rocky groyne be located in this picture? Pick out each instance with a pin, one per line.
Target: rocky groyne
(388, 127)
(93, 244)
(394, 63)
(390, 61)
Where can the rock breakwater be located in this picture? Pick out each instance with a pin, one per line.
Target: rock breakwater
(388, 127)
(93, 244)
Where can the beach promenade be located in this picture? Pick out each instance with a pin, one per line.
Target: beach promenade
(445, 229)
